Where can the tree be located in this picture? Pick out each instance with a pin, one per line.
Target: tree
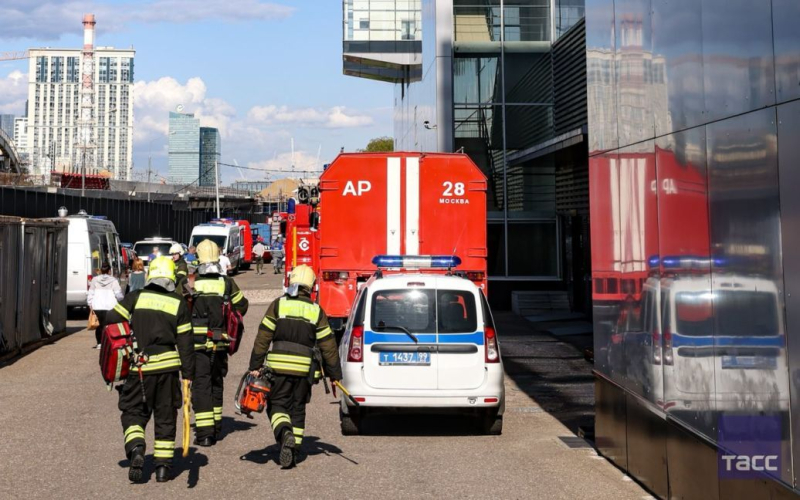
(379, 145)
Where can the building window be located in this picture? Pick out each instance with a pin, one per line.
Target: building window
(363, 24)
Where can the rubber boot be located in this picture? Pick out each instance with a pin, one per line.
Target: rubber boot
(137, 462)
(205, 442)
(287, 450)
(162, 474)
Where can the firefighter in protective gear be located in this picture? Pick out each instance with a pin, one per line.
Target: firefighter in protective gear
(162, 328)
(211, 289)
(181, 269)
(298, 331)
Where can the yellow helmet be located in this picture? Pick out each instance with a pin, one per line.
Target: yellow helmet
(162, 267)
(207, 252)
(302, 275)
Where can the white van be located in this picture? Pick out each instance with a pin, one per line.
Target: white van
(226, 236)
(93, 241)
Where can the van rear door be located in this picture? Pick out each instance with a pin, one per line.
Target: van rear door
(460, 340)
(392, 358)
(77, 273)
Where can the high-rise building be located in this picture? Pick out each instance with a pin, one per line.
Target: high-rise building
(210, 152)
(80, 108)
(21, 136)
(184, 148)
(504, 82)
(7, 125)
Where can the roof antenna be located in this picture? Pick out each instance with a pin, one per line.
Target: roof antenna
(455, 247)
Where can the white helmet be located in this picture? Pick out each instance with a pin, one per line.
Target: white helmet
(176, 248)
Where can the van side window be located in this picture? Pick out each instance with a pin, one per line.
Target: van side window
(97, 251)
(358, 318)
(488, 320)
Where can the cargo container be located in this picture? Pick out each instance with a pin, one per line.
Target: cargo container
(33, 291)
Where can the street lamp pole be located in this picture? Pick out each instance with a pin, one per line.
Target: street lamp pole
(216, 183)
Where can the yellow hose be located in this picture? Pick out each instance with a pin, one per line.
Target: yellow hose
(187, 401)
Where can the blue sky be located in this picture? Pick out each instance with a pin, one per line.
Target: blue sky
(263, 72)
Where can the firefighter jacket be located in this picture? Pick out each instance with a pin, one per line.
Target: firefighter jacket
(295, 326)
(162, 328)
(182, 277)
(208, 323)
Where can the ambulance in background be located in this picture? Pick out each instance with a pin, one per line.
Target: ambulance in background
(226, 234)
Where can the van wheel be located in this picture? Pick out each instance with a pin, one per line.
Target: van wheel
(492, 423)
(350, 424)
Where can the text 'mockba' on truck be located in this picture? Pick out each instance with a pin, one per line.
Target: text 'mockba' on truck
(396, 204)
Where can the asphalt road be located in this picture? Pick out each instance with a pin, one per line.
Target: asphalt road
(60, 435)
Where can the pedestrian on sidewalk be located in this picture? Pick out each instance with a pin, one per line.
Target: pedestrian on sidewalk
(258, 252)
(104, 293)
(137, 277)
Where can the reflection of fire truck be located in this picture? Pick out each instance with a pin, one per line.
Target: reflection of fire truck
(394, 204)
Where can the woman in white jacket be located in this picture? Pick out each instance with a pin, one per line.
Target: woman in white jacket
(104, 293)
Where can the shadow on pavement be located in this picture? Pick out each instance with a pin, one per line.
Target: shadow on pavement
(550, 370)
(311, 446)
(192, 464)
(413, 423)
(231, 425)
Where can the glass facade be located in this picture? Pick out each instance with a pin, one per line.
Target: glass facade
(693, 126)
(382, 20)
(502, 103)
(488, 89)
(210, 152)
(184, 149)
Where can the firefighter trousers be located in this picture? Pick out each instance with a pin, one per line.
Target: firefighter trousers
(287, 406)
(207, 392)
(163, 392)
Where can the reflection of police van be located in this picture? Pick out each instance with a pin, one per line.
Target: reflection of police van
(421, 340)
(724, 346)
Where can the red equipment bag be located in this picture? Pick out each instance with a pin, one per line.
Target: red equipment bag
(116, 346)
(234, 322)
(234, 326)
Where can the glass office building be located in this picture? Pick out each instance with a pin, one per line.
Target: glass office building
(504, 82)
(184, 148)
(210, 152)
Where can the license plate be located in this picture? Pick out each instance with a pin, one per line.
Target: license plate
(404, 359)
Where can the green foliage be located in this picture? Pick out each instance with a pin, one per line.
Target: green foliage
(379, 145)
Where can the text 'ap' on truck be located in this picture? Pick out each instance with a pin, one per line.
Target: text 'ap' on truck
(396, 204)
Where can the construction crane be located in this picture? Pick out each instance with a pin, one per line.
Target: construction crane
(14, 56)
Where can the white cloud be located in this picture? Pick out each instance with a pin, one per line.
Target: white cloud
(334, 117)
(13, 93)
(50, 19)
(305, 165)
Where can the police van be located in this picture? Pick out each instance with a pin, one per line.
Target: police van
(421, 339)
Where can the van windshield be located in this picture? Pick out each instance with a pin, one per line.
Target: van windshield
(425, 310)
(146, 249)
(218, 239)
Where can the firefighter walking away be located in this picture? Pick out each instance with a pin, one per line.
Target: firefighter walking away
(162, 347)
(302, 342)
(213, 290)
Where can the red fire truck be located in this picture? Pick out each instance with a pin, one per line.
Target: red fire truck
(393, 204)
